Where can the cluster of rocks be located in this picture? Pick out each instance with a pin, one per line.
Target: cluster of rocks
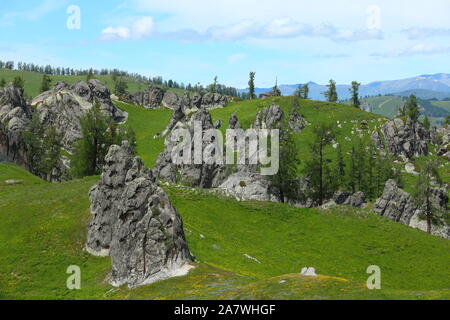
(345, 198)
(154, 97)
(398, 205)
(272, 93)
(135, 223)
(407, 139)
(15, 115)
(441, 138)
(62, 107)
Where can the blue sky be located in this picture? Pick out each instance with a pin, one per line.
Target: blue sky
(193, 41)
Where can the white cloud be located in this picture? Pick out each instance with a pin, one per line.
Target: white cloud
(275, 29)
(417, 49)
(423, 33)
(142, 28)
(234, 58)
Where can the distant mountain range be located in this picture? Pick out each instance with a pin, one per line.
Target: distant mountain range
(424, 86)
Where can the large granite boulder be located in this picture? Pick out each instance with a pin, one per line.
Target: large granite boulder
(403, 138)
(64, 105)
(398, 205)
(246, 186)
(269, 118)
(15, 115)
(150, 98)
(135, 223)
(205, 175)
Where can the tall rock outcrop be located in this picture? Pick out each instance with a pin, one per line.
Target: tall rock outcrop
(403, 138)
(135, 223)
(63, 106)
(398, 205)
(205, 175)
(15, 116)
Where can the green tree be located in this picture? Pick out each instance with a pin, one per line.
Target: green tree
(340, 167)
(331, 93)
(43, 148)
(426, 123)
(354, 90)
(423, 193)
(447, 120)
(316, 166)
(2, 83)
(285, 182)
(120, 87)
(251, 85)
(99, 133)
(90, 75)
(18, 82)
(213, 86)
(302, 92)
(45, 83)
(412, 108)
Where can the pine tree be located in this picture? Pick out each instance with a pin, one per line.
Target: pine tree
(285, 181)
(251, 85)
(45, 83)
(340, 167)
(315, 167)
(426, 123)
(423, 193)
(99, 133)
(354, 90)
(331, 93)
(412, 108)
(18, 82)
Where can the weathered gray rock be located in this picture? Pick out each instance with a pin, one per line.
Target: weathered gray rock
(357, 199)
(150, 98)
(407, 139)
(135, 223)
(269, 94)
(63, 106)
(398, 205)
(270, 117)
(155, 97)
(245, 186)
(341, 196)
(234, 122)
(15, 116)
(170, 100)
(296, 121)
(203, 175)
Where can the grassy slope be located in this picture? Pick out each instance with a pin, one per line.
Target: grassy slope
(44, 226)
(33, 81)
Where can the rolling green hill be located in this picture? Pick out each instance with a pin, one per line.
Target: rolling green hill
(388, 106)
(33, 81)
(44, 226)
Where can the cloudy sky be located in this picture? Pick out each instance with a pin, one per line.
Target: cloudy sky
(193, 41)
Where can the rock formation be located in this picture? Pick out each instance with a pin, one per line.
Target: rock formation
(135, 223)
(270, 117)
(398, 205)
(15, 116)
(196, 175)
(403, 138)
(155, 97)
(63, 106)
(272, 93)
(296, 121)
(150, 98)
